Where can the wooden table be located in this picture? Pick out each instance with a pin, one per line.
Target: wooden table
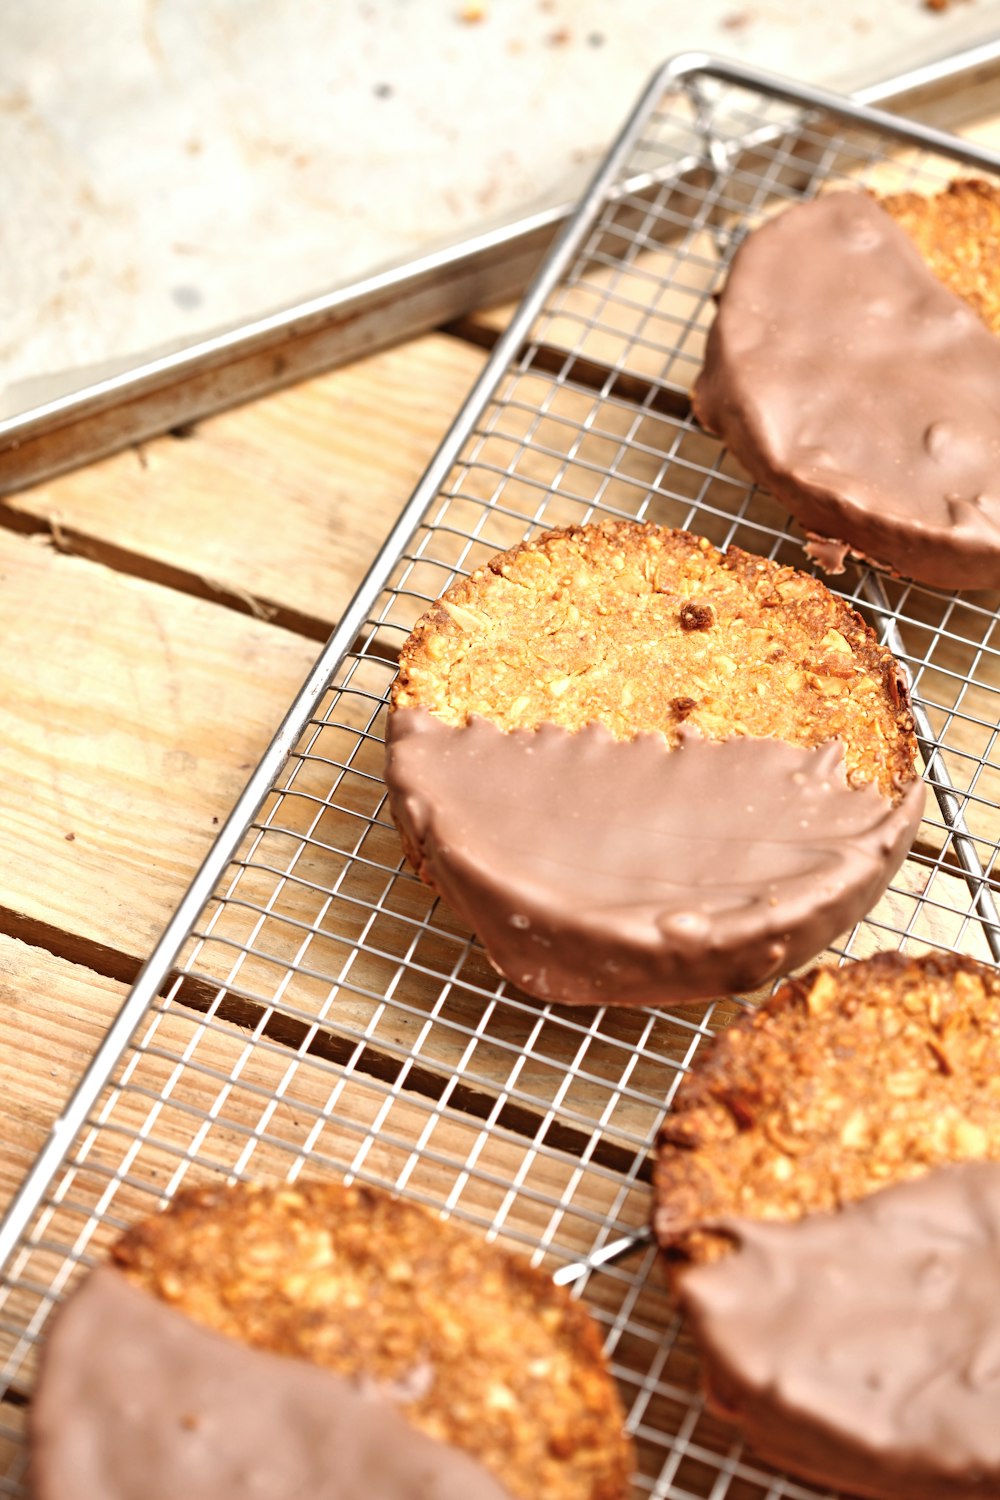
(158, 610)
(150, 598)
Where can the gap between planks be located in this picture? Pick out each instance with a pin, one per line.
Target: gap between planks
(275, 508)
(200, 998)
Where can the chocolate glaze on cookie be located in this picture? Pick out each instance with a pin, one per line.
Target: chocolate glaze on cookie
(861, 392)
(861, 1349)
(136, 1401)
(600, 870)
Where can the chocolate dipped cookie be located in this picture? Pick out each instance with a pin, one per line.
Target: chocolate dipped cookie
(862, 390)
(321, 1340)
(644, 771)
(828, 1195)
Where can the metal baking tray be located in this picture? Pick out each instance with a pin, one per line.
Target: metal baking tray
(312, 1008)
(169, 389)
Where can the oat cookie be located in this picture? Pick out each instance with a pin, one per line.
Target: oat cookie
(645, 771)
(828, 1195)
(639, 628)
(481, 1351)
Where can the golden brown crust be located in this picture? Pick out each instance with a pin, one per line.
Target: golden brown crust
(359, 1282)
(957, 231)
(640, 628)
(847, 1080)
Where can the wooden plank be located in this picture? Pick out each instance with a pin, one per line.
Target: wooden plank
(130, 716)
(278, 505)
(244, 1103)
(143, 734)
(54, 1013)
(13, 1421)
(52, 1017)
(514, 1053)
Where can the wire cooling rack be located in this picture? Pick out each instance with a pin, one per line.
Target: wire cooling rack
(312, 1008)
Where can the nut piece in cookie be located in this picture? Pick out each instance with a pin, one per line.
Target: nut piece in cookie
(644, 771)
(480, 1351)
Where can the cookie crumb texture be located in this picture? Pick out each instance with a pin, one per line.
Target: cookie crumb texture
(478, 1349)
(957, 231)
(641, 628)
(848, 1080)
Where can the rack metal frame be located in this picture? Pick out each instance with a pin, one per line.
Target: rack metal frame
(311, 1006)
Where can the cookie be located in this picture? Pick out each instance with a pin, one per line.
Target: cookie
(827, 1192)
(861, 1349)
(477, 1350)
(645, 771)
(862, 392)
(846, 1081)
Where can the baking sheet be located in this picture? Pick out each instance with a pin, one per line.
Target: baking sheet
(176, 167)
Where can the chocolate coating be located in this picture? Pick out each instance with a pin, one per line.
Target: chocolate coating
(598, 870)
(136, 1401)
(861, 1349)
(861, 392)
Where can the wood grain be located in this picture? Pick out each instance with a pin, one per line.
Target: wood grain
(52, 1016)
(130, 717)
(194, 1100)
(277, 507)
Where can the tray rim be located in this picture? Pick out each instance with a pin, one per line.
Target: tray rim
(318, 333)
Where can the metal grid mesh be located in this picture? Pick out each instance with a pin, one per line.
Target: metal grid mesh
(328, 1015)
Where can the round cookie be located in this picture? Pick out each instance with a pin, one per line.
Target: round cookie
(846, 1081)
(861, 391)
(828, 1196)
(645, 771)
(478, 1349)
